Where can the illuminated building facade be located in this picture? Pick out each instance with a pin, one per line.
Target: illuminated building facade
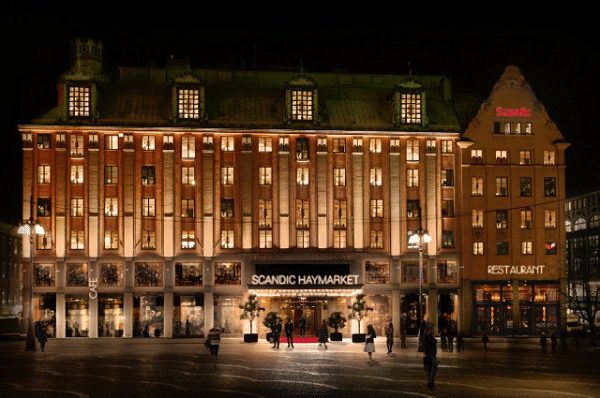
(170, 194)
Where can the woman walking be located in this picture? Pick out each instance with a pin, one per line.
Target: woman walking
(370, 341)
(212, 343)
(323, 334)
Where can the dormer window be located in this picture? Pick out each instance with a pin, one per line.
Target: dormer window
(302, 105)
(410, 109)
(188, 103)
(80, 103)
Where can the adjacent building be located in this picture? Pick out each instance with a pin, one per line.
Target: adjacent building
(11, 282)
(170, 194)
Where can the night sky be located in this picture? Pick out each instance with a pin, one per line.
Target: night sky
(560, 59)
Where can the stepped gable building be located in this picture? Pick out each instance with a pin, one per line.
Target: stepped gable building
(170, 194)
(512, 162)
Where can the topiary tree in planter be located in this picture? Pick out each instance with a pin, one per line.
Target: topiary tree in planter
(336, 321)
(269, 321)
(359, 311)
(250, 311)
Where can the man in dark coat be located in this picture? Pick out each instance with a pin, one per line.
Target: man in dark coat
(276, 330)
(41, 334)
(430, 360)
(289, 332)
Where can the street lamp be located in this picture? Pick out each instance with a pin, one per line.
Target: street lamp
(419, 237)
(30, 228)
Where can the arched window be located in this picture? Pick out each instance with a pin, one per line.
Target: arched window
(580, 224)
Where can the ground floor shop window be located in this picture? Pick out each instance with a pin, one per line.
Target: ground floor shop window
(111, 319)
(77, 319)
(409, 309)
(227, 314)
(539, 307)
(493, 309)
(44, 309)
(380, 317)
(188, 315)
(148, 315)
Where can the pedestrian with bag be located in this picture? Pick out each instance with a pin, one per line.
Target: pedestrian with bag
(430, 361)
(213, 339)
(370, 341)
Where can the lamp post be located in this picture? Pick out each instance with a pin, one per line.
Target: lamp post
(30, 228)
(419, 237)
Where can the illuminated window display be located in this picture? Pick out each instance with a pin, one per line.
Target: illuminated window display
(44, 309)
(111, 275)
(188, 315)
(148, 315)
(148, 274)
(77, 315)
(492, 308)
(111, 318)
(227, 314)
(77, 275)
(44, 275)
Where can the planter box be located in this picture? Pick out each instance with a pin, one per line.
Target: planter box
(358, 338)
(250, 337)
(335, 336)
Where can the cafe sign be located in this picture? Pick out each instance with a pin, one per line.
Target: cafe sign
(515, 269)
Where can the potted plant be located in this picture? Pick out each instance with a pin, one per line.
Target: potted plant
(250, 311)
(359, 311)
(336, 321)
(269, 321)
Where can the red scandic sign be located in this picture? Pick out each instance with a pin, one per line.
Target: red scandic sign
(512, 112)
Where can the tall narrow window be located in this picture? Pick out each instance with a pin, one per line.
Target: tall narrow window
(111, 175)
(526, 222)
(79, 101)
(303, 238)
(526, 247)
(376, 208)
(227, 208)
(265, 144)
(549, 186)
(148, 142)
(477, 218)
(187, 175)
(227, 144)
(447, 177)
(526, 186)
(148, 240)
(447, 239)
(501, 219)
(187, 208)
(376, 177)
(265, 213)
(76, 146)
(477, 186)
(264, 176)
(447, 208)
(549, 157)
(148, 175)
(410, 108)
(339, 145)
(302, 105)
(44, 207)
(227, 239)
(302, 153)
(111, 142)
(77, 174)
(412, 208)
(43, 174)
(76, 207)
(188, 239)
(188, 147)
(227, 175)
(188, 103)
(302, 176)
(302, 213)
(265, 238)
(412, 177)
(339, 177)
(339, 239)
(447, 146)
(376, 239)
(111, 240)
(148, 207)
(339, 213)
(525, 157)
(412, 150)
(375, 145)
(549, 218)
(111, 207)
(501, 186)
(77, 240)
(477, 248)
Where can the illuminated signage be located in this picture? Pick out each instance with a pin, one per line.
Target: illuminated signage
(513, 112)
(93, 284)
(304, 280)
(515, 269)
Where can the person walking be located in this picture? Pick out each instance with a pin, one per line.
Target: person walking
(544, 342)
(370, 341)
(276, 330)
(323, 334)
(302, 326)
(41, 334)
(289, 332)
(430, 360)
(389, 337)
(213, 339)
(403, 331)
(485, 339)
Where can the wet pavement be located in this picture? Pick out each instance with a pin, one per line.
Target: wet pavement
(181, 368)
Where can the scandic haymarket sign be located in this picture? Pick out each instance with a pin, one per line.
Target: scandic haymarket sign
(305, 275)
(304, 280)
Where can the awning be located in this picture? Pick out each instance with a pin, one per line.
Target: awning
(314, 291)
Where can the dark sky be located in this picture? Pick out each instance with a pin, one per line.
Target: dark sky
(560, 58)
